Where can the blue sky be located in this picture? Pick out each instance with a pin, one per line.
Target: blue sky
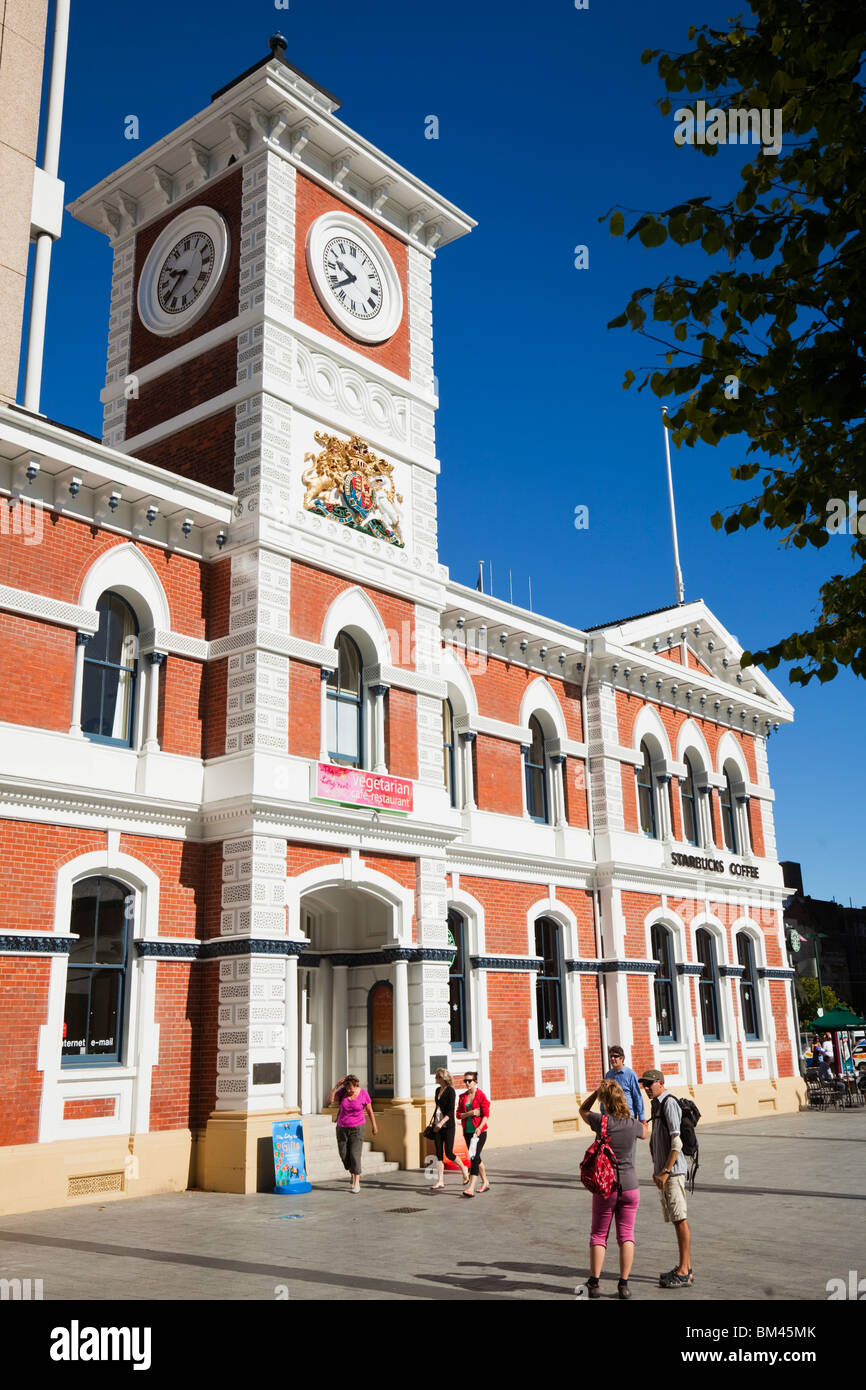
(546, 120)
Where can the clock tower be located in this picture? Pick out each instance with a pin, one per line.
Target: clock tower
(271, 336)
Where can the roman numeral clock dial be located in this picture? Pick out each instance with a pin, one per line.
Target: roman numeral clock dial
(183, 271)
(186, 272)
(354, 277)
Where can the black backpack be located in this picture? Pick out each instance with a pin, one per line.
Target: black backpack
(689, 1116)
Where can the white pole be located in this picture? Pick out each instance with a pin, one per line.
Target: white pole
(50, 163)
(678, 574)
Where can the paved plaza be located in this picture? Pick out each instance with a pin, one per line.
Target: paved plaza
(790, 1220)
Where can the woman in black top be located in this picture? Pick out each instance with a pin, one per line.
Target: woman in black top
(444, 1127)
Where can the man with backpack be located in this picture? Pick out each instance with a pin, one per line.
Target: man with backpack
(669, 1172)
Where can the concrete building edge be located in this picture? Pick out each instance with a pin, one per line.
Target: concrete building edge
(234, 1153)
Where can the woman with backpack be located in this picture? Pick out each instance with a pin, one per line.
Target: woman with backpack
(617, 1132)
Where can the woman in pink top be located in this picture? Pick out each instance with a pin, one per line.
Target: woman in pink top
(355, 1105)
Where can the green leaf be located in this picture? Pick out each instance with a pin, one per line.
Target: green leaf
(617, 224)
(653, 233)
(628, 379)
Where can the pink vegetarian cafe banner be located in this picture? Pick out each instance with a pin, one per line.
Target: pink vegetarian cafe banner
(359, 788)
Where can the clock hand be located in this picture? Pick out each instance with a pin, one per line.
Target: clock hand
(338, 285)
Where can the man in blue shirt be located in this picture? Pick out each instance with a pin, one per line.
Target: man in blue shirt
(627, 1079)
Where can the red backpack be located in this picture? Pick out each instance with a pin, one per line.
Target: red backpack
(599, 1171)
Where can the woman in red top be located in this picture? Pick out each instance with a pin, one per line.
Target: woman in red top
(473, 1110)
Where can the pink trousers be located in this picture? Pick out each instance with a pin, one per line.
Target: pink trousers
(623, 1206)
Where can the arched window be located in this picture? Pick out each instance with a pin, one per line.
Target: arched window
(344, 728)
(110, 669)
(548, 985)
(748, 987)
(457, 980)
(708, 984)
(665, 996)
(690, 805)
(102, 912)
(448, 760)
(646, 806)
(729, 820)
(535, 762)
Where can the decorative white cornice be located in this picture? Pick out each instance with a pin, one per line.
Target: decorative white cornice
(382, 674)
(49, 610)
(173, 644)
(86, 481)
(598, 748)
(291, 119)
(264, 639)
(495, 728)
(568, 747)
(50, 802)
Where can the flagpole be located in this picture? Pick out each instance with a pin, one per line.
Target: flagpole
(479, 583)
(678, 574)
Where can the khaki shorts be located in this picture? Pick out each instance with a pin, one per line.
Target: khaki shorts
(673, 1198)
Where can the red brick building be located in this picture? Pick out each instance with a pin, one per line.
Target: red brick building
(278, 798)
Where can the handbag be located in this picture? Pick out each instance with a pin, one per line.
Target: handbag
(432, 1129)
(599, 1171)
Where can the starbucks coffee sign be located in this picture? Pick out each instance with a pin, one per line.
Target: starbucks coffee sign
(713, 866)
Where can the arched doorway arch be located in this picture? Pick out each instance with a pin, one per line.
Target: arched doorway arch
(355, 934)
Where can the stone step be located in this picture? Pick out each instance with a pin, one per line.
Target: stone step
(323, 1160)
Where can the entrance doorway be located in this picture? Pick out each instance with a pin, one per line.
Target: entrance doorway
(343, 998)
(380, 1040)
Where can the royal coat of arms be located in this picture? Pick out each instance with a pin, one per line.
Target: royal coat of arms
(347, 482)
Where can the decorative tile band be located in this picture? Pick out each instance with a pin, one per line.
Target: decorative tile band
(169, 950)
(386, 956)
(249, 946)
(764, 973)
(735, 971)
(584, 967)
(628, 967)
(684, 969)
(39, 943)
(506, 962)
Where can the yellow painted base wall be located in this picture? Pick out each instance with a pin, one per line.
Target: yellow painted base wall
(540, 1118)
(71, 1172)
(234, 1153)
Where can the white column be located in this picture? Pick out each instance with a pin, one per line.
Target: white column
(151, 744)
(291, 1070)
(402, 1071)
(466, 742)
(324, 990)
(557, 765)
(378, 751)
(340, 1013)
(81, 640)
(324, 756)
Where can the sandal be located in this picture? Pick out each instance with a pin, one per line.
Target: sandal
(485, 1188)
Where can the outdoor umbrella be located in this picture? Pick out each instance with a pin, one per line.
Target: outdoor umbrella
(838, 1021)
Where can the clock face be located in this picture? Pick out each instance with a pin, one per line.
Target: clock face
(354, 277)
(183, 271)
